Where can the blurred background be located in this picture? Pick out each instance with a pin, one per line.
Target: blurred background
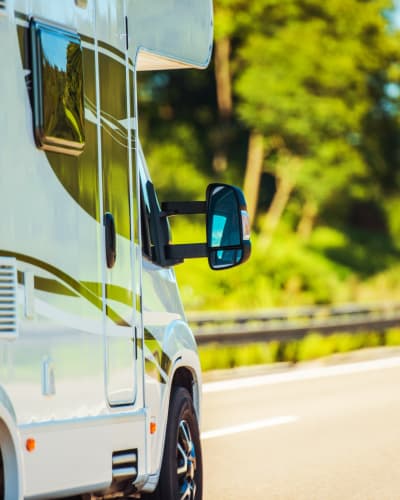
(300, 108)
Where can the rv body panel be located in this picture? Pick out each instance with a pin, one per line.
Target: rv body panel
(168, 344)
(170, 34)
(91, 362)
(12, 456)
(83, 469)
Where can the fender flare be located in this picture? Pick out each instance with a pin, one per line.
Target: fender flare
(10, 446)
(180, 345)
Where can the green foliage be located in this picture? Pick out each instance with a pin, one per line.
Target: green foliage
(288, 273)
(330, 268)
(214, 357)
(392, 209)
(320, 81)
(355, 250)
(393, 337)
(312, 346)
(310, 76)
(182, 182)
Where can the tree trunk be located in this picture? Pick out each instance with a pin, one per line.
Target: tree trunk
(223, 77)
(281, 198)
(286, 181)
(308, 216)
(220, 161)
(254, 166)
(224, 100)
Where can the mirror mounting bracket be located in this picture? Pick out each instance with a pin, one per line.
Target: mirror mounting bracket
(175, 254)
(186, 251)
(183, 208)
(228, 242)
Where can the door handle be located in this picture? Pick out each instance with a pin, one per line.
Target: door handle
(110, 239)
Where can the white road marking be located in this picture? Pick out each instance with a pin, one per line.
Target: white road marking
(305, 374)
(251, 426)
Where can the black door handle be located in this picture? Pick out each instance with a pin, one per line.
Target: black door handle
(111, 240)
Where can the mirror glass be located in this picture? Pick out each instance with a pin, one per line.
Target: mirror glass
(224, 227)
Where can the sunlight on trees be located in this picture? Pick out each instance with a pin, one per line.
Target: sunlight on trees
(301, 108)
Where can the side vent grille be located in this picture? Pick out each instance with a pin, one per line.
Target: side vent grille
(124, 465)
(8, 298)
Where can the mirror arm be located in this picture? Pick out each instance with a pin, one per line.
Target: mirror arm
(183, 208)
(186, 251)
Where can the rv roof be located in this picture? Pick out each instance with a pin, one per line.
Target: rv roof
(170, 34)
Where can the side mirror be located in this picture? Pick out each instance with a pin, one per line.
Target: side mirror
(228, 227)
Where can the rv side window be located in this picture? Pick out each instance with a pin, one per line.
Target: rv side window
(57, 75)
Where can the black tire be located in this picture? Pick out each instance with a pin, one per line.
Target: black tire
(181, 471)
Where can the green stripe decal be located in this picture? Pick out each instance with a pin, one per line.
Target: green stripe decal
(53, 286)
(155, 347)
(113, 292)
(111, 49)
(86, 38)
(77, 286)
(21, 15)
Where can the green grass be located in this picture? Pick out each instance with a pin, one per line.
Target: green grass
(313, 346)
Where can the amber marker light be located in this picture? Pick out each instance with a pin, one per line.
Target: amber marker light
(30, 444)
(153, 427)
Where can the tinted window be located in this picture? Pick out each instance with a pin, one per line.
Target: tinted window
(57, 75)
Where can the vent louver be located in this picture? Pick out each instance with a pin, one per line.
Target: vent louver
(124, 464)
(8, 298)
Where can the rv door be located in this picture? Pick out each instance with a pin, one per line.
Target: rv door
(118, 176)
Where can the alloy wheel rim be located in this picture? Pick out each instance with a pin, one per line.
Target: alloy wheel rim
(186, 462)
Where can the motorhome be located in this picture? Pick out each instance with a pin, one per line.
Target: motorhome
(100, 381)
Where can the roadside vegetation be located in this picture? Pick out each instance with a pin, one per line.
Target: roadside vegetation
(313, 346)
(299, 107)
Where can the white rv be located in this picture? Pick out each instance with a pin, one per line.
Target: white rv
(100, 379)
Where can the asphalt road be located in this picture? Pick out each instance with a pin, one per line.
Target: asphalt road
(314, 433)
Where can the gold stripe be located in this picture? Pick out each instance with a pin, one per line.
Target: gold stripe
(111, 49)
(77, 286)
(86, 39)
(156, 349)
(52, 286)
(21, 15)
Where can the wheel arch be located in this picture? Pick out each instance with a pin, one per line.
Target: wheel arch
(11, 455)
(182, 376)
(185, 377)
(184, 371)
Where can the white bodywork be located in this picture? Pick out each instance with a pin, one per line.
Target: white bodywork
(185, 39)
(79, 383)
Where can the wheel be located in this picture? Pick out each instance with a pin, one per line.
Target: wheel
(181, 470)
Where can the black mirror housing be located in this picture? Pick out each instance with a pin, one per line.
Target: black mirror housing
(228, 226)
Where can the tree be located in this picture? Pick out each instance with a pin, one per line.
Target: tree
(307, 70)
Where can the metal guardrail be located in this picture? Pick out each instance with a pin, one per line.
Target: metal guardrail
(292, 323)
